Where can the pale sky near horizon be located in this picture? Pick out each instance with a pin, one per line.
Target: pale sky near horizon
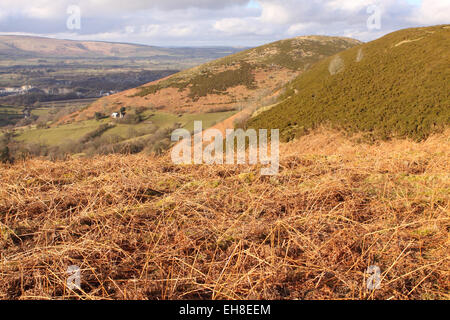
(216, 22)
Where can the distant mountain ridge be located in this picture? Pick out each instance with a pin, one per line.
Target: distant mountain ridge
(31, 47)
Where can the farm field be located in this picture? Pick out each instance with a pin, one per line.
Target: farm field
(56, 135)
(9, 115)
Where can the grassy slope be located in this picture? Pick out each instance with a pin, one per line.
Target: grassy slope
(143, 228)
(57, 135)
(391, 86)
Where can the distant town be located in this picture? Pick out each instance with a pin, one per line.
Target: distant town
(12, 91)
(15, 90)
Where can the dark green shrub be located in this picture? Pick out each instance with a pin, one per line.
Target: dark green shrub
(97, 132)
(5, 155)
(99, 116)
(133, 118)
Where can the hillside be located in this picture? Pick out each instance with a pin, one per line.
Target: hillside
(254, 76)
(142, 228)
(394, 86)
(363, 182)
(35, 47)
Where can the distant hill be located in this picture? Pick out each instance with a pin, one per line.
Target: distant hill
(251, 76)
(33, 47)
(394, 86)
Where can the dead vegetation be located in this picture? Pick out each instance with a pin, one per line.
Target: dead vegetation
(142, 228)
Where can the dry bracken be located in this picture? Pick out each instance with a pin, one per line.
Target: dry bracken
(142, 228)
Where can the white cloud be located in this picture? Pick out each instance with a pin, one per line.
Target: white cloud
(232, 25)
(150, 30)
(350, 6)
(178, 31)
(208, 22)
(274, 12)
(250, 27)
(300, 28)
(433, 12)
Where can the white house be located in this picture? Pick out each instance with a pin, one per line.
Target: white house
(117, 115)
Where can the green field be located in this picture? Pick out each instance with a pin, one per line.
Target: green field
(57, 135)
(40, 112)
(44, 112)
(9, 115)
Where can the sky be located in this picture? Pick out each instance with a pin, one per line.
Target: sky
(243, 23)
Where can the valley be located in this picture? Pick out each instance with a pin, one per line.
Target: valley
(37, 71)
(233, 86)
(363, 181)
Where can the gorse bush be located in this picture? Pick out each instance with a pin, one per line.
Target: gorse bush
(209, 82)
(389, 87)
(5, 155)
(99, 116)
(219, 82)
(6, 139)
(131, 118)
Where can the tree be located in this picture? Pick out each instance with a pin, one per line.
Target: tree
(141, 110)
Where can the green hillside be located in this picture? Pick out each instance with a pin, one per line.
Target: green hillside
(394, 86)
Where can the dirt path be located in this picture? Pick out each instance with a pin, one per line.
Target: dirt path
(246, 113)
(230, 122)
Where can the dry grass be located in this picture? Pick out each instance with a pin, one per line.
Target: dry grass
(142, 228)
